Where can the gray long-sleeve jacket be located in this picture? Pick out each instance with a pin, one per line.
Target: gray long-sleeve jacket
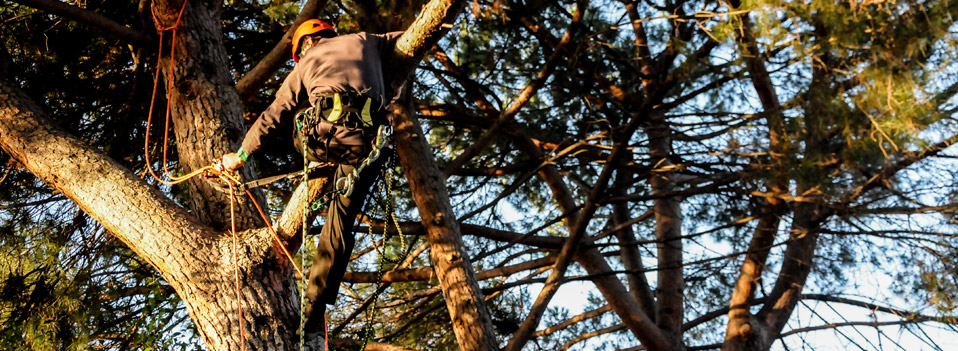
(351, 62)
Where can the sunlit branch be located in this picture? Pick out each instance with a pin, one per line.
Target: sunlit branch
(575, 319)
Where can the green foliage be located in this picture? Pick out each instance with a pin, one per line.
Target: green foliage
(72, 288)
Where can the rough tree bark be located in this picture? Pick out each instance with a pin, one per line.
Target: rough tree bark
(195, 259)
(193, 251)
(464, 299)
(472, 324)
(205, 109)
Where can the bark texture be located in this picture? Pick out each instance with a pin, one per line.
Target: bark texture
(464, 299)
(193, 250)
(205, 109)
(193, 258)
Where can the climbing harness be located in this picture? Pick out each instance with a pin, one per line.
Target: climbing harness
(339, 109)
(344, 185)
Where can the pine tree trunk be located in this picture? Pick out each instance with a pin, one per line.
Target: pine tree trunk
(194, 250)
(193, 258)
(471, 321)
(670, 289)
(205, 110)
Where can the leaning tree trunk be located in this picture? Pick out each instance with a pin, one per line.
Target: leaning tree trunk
(195, 259)
(472, 323)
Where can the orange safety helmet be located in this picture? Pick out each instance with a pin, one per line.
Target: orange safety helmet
(309, 27)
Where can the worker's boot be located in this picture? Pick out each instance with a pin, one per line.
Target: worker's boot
(316, 337)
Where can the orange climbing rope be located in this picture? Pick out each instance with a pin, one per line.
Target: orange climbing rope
(156, 79)
(214, 170)
(239, 302)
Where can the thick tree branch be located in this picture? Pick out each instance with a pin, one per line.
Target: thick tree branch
(435, 19)
(186, 252)
(138, 213)
(291, 221)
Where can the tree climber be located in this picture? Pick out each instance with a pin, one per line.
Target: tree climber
(338, 86)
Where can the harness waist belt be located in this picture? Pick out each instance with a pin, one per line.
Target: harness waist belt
(348, 108)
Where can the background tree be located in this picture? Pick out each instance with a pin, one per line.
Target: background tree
(725, 175)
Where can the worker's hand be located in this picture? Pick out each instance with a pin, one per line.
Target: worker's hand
(232, 162)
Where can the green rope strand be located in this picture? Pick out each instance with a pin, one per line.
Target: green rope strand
(302, 257)
(389, 213)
